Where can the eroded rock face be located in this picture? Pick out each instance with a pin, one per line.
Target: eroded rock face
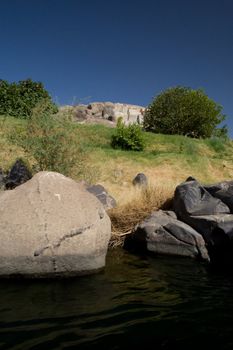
(52, 226)
(108, 112)
(162, 233)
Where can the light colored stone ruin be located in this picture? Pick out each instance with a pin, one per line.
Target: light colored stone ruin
(105, 113)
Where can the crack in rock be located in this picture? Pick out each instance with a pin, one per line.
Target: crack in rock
(57, 244)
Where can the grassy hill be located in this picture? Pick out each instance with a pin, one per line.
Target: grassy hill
(166, 161)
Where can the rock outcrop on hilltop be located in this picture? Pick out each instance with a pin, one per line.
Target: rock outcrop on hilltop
(106, 113)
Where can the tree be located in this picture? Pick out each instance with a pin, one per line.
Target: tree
(19, 99)
(183, 111)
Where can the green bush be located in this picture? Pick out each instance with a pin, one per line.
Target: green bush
(183, 111)
(51, 142)
(19, 99)
(128, 137)
(217, 144)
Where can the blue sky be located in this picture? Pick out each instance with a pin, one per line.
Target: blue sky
(120, 51)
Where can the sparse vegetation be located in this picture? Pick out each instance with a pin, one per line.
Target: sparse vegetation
(140, 203)
(51, 142)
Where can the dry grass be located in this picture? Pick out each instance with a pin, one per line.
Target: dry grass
(139, 204)
(167, 161)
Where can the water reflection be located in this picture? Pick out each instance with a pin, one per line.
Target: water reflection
(136, 301)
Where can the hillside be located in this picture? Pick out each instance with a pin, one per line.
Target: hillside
(167, 160)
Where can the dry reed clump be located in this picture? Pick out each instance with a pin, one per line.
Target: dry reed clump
(141, 202)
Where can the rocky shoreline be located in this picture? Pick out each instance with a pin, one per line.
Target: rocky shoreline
(52, 226)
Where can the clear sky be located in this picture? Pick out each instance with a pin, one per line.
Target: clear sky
(120, 51)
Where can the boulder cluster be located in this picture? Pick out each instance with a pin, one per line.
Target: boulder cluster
(200, 224)
(52, 226)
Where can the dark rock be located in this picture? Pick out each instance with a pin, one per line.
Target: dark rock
(212, 227)
(217, 231)
(223, 191)
(2, 179)
(19, 173)
(190, 178)
(226, 197)
(208, 215)
(102, 195)
(162, 233)
(191, 199)
(140, 180)
(224, 185)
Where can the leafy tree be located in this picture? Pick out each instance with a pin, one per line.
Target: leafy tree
(19, 99)
(183, 111)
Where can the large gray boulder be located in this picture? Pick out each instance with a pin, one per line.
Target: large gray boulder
(217, 231)
(52, 226)
(193, 199)
(203, 209)
(162, 233)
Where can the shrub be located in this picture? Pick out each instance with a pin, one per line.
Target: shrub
(19, 99)
(217, 144)
(128, 137)
(51, 142)
(183, 111)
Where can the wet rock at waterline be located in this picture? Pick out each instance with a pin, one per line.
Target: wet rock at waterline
(207, 210)
(217, 231)
(60, 229)
(162, 233)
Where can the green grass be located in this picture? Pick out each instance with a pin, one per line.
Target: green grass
(166, 158)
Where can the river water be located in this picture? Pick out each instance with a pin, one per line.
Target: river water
(137, 302)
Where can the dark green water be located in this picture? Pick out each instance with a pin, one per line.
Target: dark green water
(146, 303)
